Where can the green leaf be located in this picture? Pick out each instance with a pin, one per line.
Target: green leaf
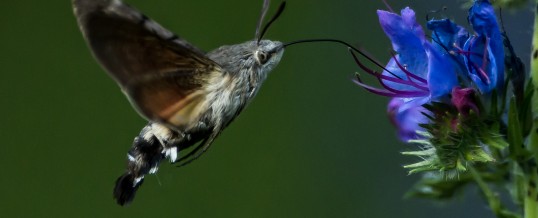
(496, 141)
(515, 135)
(479, 155)
(525, 110)
(436, 186)
(429, 164)
(421, 153)
(508, 214)
(460, 166)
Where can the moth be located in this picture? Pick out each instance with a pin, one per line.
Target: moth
(188, 96)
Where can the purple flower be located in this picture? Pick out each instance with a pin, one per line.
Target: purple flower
(485, 51)
(479, 58)
(418, 74)
(407, 120)
(447, 36)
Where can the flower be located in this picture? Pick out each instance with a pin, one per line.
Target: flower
(407, 120)
(480, 57)
(484, 55)
(448, 99)
(419, 73)
(424, 71)
(463, 99)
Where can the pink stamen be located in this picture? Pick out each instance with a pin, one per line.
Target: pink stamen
(482, 73)
(386, 93)
(368, 70)
(466, 53)
(481, 70)
(382, 77)
(409, 74)
(388, 6)
(388, 88)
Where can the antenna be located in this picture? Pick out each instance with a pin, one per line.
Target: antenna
(278, 13)
(260, 34)
(265, 8)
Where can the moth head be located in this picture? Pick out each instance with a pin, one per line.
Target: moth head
(267, 54)
(256, 56)
(251, 56)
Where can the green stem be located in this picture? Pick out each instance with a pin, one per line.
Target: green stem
(530, 202)
(534, 75)
(493, 200)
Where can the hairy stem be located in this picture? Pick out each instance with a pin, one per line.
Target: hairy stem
(534, 76)
(493, 201)
(531, 203)
(531, 198)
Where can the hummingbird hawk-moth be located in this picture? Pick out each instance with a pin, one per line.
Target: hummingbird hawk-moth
(188, 96)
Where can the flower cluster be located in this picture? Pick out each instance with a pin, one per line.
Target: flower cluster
(424, 71)
(445, 88)
(460, 95)
(439, 85)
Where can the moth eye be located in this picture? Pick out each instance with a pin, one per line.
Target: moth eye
(262, 57)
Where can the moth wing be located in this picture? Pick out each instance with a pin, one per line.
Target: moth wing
(162, 75)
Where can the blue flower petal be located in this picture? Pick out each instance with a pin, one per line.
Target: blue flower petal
(441, 73)
(446, 35)
(488, 45)
(407, 121)
(407, 39)
(482, 18)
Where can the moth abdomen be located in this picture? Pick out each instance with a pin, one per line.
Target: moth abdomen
(154, 143)
(124, 191)
(143, 158)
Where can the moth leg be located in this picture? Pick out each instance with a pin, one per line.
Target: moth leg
(171, 148)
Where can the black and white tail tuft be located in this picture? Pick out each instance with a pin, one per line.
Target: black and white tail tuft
(148, 149)
(125, 189)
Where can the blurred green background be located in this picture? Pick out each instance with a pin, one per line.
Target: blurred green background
(312, 144)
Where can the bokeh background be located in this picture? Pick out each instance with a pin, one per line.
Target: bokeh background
(312, 144)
